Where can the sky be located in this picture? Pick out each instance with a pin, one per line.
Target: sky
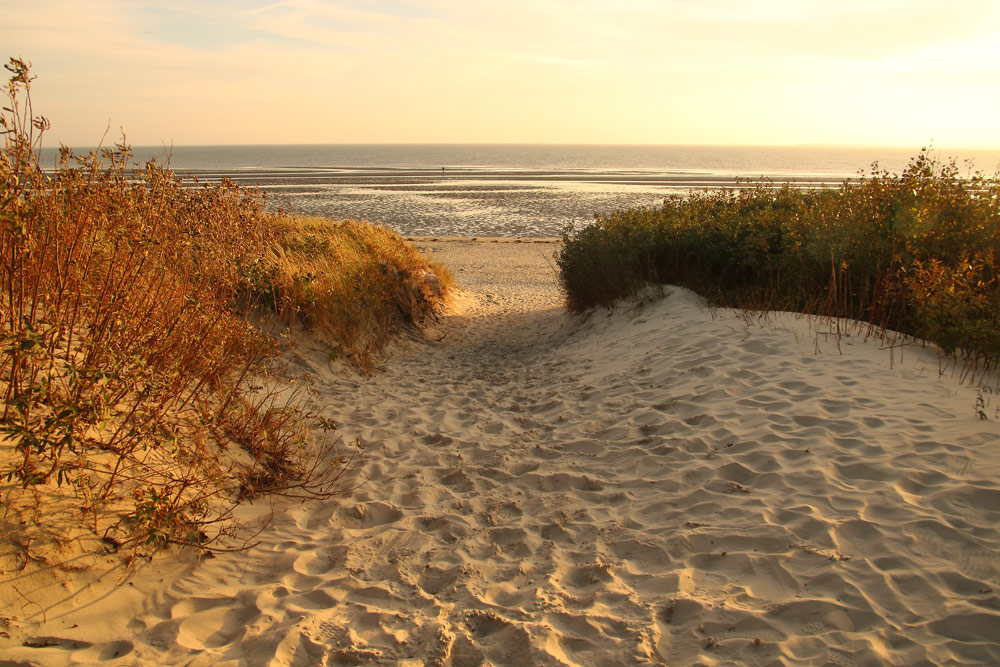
(719, 72)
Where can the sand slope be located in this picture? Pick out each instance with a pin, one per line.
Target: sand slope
(662, 484)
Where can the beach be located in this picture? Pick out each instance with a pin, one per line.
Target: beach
(661, 483)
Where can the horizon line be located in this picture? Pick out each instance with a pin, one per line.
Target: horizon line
(827, 145)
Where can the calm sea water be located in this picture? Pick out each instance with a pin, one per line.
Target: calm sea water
(510, 190)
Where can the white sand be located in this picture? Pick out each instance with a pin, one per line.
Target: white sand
(659, 484)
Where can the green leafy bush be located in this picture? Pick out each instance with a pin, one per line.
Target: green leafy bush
(914, 252)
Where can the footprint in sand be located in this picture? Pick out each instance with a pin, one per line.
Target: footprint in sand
(369, 515)
(215, 627)
(433, 580)
(320, 562)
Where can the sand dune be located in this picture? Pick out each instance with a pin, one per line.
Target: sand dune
(660, 484)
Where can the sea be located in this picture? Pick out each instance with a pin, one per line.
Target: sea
(513, 190)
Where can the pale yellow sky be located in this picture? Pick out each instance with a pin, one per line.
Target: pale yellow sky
(748, 72)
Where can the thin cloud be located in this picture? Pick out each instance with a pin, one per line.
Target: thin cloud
(632, 71)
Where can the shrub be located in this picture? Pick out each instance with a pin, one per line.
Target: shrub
(131, 373)
(913, 252)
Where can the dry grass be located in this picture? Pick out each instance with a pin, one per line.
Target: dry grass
(351, 283)
(133, 380)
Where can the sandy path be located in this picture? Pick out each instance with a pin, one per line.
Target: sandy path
(662, 484)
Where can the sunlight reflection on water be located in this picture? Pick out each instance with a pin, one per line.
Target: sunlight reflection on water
(462, 209)
(505, 190)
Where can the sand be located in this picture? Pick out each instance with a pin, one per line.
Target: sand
(659, 484)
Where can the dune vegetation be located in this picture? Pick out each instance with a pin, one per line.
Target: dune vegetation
(915, 253)
(142, 321)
